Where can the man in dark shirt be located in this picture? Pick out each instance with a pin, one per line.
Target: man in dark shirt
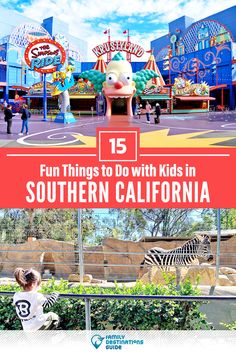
(158, 113)
(8, 115)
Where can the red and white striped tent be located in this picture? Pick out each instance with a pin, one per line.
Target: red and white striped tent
(100, 65)
(151, 65)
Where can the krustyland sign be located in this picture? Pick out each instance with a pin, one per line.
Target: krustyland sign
(44, 55)
(119, 46)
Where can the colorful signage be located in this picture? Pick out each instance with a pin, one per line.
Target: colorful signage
(118, 46)
(183, 87)
(82, 87)
(37, 89)
(155, 90)
(44, 55)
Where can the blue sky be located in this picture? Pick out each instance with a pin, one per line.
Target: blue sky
(146, 19)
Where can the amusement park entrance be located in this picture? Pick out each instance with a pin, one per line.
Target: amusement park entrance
(119, 106)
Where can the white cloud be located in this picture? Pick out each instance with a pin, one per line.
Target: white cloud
(76, 13)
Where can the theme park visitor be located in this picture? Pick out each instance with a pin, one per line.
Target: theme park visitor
(139, 110)
(30, 304)
(25, 119)
(158, 113)
(148, 109)
(8, 115)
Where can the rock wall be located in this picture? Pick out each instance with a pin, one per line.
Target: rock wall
(130, 254)
(94, 261)
(115, 259)
(198, 275)
(38, 254)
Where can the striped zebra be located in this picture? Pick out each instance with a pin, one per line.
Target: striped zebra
(198, 246)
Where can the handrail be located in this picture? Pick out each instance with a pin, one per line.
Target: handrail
(100, 252)
(139, 297)
(89, 297)
(106, 265)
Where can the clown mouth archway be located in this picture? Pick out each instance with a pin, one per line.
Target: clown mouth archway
(119, 106)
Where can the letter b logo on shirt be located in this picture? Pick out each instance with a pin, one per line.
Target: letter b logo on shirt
(23, 308)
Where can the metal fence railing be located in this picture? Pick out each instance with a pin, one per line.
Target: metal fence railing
(89, 297)
(225, 116)
(101, 262)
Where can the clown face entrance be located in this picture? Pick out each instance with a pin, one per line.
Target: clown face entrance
(119, 106)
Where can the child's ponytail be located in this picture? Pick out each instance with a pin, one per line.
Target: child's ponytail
(19, 274)
(26, 277)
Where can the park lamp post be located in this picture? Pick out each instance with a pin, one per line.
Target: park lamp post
(128, 55)
(108, 32)
(218, 217)
(80, 247)
(167, 66)
(44, 97)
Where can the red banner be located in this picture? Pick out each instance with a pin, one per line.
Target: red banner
(118, 173)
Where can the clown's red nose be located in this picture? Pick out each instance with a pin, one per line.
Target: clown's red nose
(119, 85)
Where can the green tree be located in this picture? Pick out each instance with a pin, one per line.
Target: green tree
(203, 221)
(133, 223)
(126, 224)
(227, 216)
(167, 222)
(12, 225)
(59, 224)
(153, 222)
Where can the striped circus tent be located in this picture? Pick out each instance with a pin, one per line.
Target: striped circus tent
(151, 65)
(100, 65)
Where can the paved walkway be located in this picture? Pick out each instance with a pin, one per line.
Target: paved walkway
(183, 130)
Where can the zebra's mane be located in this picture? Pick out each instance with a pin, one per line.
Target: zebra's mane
(197, 239)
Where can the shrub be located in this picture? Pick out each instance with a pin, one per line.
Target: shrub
(230, 326)
(117, 314)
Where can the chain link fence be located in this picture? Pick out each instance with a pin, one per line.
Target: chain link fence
(58, 249)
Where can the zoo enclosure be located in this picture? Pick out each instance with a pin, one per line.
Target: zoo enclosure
(113, 260)
(101, 261)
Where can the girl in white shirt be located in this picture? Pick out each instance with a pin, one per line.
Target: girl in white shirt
(30, 304)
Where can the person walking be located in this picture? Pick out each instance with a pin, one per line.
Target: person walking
(25, 119)
(158, 113)
(148, 109)
(139, 110)
(8, 115)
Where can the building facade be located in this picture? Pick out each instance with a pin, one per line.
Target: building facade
(202, 51)
(16, 33)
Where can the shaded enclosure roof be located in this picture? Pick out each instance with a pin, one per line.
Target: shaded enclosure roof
(225, 235)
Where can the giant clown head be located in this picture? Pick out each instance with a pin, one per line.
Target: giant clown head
(119, 81)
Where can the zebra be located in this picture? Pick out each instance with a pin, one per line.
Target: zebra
(199, 246)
